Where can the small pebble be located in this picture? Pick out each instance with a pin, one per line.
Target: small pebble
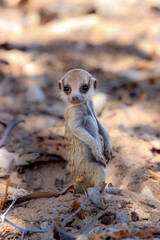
(134, 216)
(44, 225)
(119, 205)
(147, 192)
(96, 197)
(122, 217)
(113, 190)
(107, 218)
(110, 185)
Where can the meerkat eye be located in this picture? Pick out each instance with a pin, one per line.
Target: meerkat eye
(84, 88)
(67, 89)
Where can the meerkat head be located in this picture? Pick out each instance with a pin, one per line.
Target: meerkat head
(77, 86)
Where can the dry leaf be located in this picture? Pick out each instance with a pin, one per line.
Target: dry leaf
(100, 236)
(80, 179)
(97, 237)
(119, 234)
(75, 206)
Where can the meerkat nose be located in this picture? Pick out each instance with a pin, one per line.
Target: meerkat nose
(75, 99)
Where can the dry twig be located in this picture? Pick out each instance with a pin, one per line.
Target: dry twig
(26, 230)
(35, 195)
(8, 130)
(3, 122)
(61, 231)
(63, 234)
(90, 226)
(3, 201)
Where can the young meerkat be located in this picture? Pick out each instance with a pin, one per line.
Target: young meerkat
(83, 130)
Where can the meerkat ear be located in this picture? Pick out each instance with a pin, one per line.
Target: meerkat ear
(60, 83)
(94, 83)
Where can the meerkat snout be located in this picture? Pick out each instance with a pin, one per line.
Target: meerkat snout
(77, 86)
(75, 99)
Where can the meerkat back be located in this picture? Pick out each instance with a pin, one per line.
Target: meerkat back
(82, 131)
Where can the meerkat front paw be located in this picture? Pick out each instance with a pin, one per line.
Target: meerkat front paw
(98, 156)
(108, 152)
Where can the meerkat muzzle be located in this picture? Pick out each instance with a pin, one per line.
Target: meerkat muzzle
(75, 99)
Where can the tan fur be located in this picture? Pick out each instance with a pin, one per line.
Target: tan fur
(78, 155)
(85, 157)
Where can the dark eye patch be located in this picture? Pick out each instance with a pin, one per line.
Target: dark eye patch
(84, 88)
(67, 89)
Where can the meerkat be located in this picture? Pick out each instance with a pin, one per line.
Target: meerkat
(86, 138)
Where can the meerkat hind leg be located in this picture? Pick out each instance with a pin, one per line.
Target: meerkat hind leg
(92, 179)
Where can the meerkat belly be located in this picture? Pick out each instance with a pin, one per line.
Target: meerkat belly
(81, 161)
(78, 152)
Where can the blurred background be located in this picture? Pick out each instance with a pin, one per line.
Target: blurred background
(118, 42)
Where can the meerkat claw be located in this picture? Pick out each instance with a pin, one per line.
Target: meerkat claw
(108, 155)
